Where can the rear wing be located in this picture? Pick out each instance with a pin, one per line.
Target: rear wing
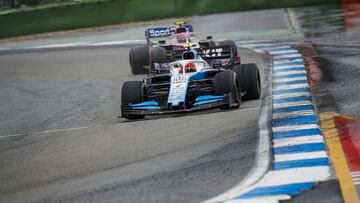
(208, 53)
(157, 32)
(218, 52)
(163, 32)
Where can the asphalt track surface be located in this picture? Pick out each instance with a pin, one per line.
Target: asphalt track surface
(61, 139)
(182, 158)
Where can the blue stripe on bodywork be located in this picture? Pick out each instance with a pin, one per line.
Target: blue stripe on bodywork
(208, 99)
(302, 89)
(197, 76)
(288, 69)
(296, 133)
(289, 76)
(301, 148)
(288, 189)
(145, 105)
(292, 99)
(301, 163)
(298, 120)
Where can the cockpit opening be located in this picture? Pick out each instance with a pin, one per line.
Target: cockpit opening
(188, 55)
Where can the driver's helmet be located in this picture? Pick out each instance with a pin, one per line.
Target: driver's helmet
(190, 67)
(181, 30)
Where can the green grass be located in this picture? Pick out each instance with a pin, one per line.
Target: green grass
(121, 11)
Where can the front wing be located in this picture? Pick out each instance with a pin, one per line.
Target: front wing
(228, 100)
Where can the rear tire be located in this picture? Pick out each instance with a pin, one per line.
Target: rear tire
(250, 80)
(156, 55)
(132, 93)
(139, 57)
(227, 82)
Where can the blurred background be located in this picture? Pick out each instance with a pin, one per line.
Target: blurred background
(24, 17)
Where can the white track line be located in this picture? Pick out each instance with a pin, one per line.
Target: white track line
(290, 104)
(288, 67)
(289, 51)
(294, 175)
(355, 173)
(289, 72)
(60, 45)
(283, 142)
(294, 127)
(279, 62)
(299, 156)
(264, 199)
(288, 79)
(286, 87)
(289, 95)
(43, 132)
(293, 113)
(119, 42)
(271, 49)
(287, 56)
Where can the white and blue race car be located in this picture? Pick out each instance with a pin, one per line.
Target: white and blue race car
(201, 80)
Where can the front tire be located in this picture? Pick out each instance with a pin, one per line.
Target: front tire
(226, 82)
(250, 80)
(132, 93)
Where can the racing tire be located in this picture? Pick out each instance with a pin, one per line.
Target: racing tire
(132, 92)
(232, 45)
(226, 82)
(139, 57)
(250, 80)
(156, 55)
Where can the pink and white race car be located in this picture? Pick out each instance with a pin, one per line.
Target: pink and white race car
(162, 44)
